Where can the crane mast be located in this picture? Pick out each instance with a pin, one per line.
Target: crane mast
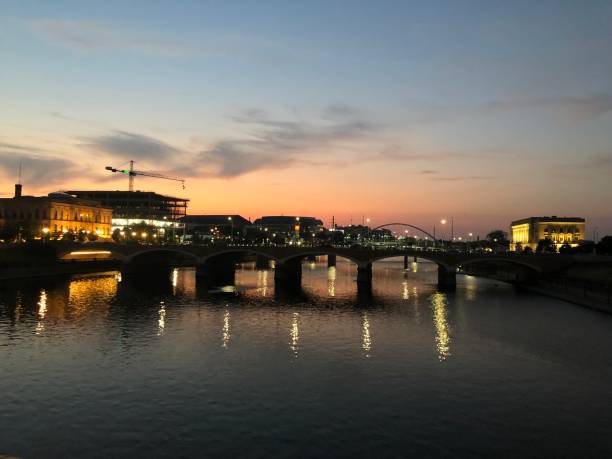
(131, 173)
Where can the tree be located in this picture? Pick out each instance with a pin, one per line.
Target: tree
(566, 248)
(605, 245)
(497, 236)
(546, 246)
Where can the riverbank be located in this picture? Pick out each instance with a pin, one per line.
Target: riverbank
(594, 302)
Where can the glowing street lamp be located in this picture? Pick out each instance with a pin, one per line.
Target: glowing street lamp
(232, 228)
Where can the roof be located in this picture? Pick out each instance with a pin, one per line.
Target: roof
(285, 220)
(63, 198)
(122, 193)
(215, 220)
(553, 219)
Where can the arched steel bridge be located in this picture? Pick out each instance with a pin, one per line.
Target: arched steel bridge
(405, 224)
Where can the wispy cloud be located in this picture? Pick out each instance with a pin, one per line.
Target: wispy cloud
(463, 179)
(274, 143)
(578, 109)
(92, 36)
(36, 169)
(127, 145)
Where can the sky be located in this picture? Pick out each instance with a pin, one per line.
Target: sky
(483, 111)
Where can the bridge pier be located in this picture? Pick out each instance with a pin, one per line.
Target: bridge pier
(364, 275)
(262, 262)
(405, 261)
(217, 272)
(288, 272)
(331, 260)
(447, 278)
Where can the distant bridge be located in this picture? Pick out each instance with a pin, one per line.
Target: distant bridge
(217, 263)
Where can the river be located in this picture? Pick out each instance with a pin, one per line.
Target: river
(97, 366)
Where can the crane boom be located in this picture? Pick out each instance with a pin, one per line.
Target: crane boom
(131, 173)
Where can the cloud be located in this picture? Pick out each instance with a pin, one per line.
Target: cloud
(127, 145)
(276, 144)
(578, 109)
(36, 170)
(92, 36)
(428, 172)
(462, 179)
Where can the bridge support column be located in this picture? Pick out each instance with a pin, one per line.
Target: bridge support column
(331, 260)
(217, 272)
(262, 262)
(447, 278)
(405, 261)
(415, 260)
(288, 273)
(364, 275)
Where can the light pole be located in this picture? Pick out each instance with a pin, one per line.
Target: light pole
(231, 228)
(443, 221)
(368, 230)
(45, 234)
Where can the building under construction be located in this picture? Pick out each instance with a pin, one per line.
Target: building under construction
(133, 207)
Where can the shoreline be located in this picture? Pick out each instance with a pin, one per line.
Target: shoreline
(589, 303)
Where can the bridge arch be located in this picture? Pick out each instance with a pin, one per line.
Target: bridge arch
(424, 255)
(504, 260)
(433, 238)
(236, 251)
(321, 252)
(161, 250)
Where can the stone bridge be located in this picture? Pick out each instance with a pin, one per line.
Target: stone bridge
(217, 263)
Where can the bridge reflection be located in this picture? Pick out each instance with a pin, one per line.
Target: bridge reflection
(125, 305)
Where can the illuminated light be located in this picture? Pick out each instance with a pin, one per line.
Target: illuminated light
(92, 252)
(438, 301)
(45, 230)
(366, 339)
(144, 234)
(296, 227)
(134, 233)
(122, 233)
(64, 231)
(98, 232)
(443, 221)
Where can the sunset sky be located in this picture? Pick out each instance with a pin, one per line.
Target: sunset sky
(486, 111)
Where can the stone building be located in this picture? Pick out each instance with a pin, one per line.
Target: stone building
(529, 231)
(54, 214)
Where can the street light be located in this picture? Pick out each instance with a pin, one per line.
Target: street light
(232, 228)
(45, 233)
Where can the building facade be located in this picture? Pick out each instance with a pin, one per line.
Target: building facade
(136, 207)
(527, 232)
(54, 215)
(290, 226)
(215, 227)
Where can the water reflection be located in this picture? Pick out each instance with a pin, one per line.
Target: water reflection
(366, 339)
(161, 322)
(226, 329)
(295, 334)
(42, 311)
(331, 281)
(438, 303)
(262, 282)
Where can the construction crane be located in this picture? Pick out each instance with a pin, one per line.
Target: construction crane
(131, 173)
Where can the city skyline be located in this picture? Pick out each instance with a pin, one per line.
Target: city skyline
(395, 111)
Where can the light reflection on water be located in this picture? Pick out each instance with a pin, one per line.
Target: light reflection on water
(235, 374)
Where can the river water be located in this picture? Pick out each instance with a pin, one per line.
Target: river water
(96, 366)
